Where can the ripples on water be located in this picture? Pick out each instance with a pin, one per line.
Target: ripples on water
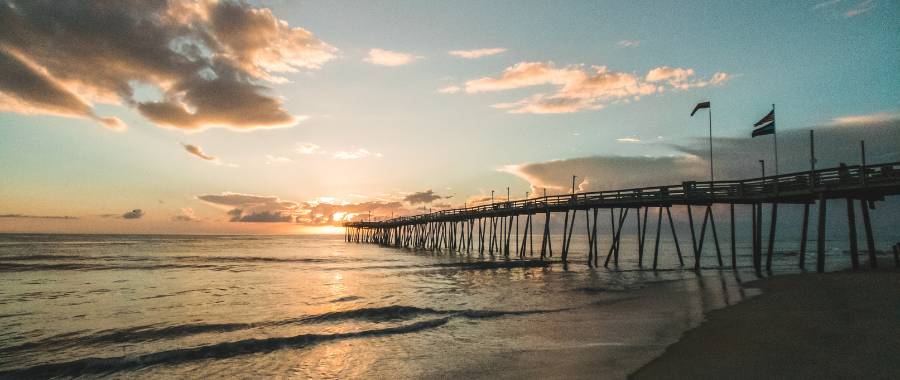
(315, 306)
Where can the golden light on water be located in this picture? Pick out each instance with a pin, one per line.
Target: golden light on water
(321, 230)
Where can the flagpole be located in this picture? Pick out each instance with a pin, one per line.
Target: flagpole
(775, 136)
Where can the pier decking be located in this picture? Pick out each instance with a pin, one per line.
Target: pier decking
(490, 227)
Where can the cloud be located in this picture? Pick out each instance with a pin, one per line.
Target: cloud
(270, 159)
(629, 139)
(354, 154)
(24, 216)
(476, 53)
(197, 151)
(735, 158)
(324, 211)
(826, 4)
(451, 89)
(133, 214)
(383, 57)
(860, 8)
(27, 88)
(873, 118)
(186, 215)
(209, 60)
(252, 208)
(629, 43)
(309, 148)
(579, 88)
(423, 197)
(666, 73)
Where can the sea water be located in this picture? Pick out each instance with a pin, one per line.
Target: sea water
(125, 306)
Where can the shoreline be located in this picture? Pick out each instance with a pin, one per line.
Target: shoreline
(831, 325)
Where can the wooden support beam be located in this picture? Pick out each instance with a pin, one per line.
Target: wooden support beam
(545, 235)
(700, 244)
(643, 233)
(674, 236)
(733, 250)
(772, 230)
(565, 254)
(565, 230)
(594, 239)
(587, 224)
(658, 227)
(691, 224)
(712, 224)
(614, 246)
(870, 239)
(851, 229)
(803, 230)
(820, 242)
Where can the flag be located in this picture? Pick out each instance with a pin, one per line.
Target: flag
(765, 126)
(700, 106)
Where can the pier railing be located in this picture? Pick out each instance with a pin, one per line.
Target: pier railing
(799, 187)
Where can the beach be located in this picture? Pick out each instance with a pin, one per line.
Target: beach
(832, 325)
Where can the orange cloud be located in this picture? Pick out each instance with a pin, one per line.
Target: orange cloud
(383, 57)
(579, 88)
(209, 59)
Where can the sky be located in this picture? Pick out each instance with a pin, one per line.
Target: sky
(293, 116)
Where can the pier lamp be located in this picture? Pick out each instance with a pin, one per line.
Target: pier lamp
(573, 184)
(492, 197)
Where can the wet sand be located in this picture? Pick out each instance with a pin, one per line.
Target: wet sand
(833, 325)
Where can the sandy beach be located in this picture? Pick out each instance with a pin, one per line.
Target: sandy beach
(833, 325)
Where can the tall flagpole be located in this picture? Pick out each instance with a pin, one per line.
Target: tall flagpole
(711, 176)
(775, 136)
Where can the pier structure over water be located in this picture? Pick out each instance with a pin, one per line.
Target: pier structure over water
(493, 227)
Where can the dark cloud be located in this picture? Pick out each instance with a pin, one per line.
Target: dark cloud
(197, 151)
(207, 58)
(734, 158)
(263, 208)
(133, 214)
(23, 216)
(253, 208)
(422, 197)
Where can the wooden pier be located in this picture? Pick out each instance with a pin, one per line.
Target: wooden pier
(492, 228)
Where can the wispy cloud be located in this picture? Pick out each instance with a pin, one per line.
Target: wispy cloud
(860, 8)
(580, 88)
(186, 215)
(866, 119)
(629, 139)
(476, 53)
(24, 216)
(826, 4)
(210, 60)
(451, 89)
(354, 154)
(383, 57)
(309, 148)
(270, 159)
(629, 43)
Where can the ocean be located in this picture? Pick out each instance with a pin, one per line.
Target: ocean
(123, 306)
